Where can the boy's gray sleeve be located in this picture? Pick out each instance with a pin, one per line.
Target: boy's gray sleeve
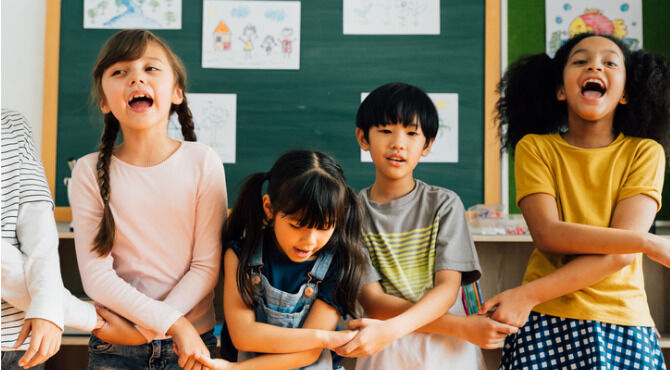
(370, 274)
(454, 248)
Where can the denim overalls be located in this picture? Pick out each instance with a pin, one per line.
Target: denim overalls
(279, 308)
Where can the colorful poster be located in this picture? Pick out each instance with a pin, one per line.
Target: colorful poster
(124, 14)
(251, 34)
(214, 116)
(391, 17)
(445, 147)
(619, 18)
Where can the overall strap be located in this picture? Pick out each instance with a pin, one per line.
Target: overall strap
(321, 265)
(257, 257)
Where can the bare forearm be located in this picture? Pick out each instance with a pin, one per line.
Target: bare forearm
(284, 361)
(577, 274)
(266, 338)
(430, 307)
(569, 238)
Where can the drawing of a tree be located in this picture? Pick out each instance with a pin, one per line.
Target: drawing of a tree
(92, 13)
(154, 4)
(102, 5)
(169, 17)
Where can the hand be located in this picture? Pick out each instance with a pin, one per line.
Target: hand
(44, 342)
(116, 329)
(215, 363)
(659, 249)
(187, 343)
(339, 338)
(486, 332)
(372, 337)
(99, 321)
(512, 307)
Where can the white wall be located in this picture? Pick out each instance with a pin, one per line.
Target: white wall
(23, 28)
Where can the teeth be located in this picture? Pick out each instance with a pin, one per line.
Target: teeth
(594, 80)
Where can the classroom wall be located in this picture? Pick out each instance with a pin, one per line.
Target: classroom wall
(23, 27)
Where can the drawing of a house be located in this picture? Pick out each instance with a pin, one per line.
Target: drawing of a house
(222, 37)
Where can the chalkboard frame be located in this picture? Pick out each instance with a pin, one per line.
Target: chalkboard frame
(491, 161)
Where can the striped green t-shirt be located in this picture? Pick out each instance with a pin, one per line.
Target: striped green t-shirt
(410, 238)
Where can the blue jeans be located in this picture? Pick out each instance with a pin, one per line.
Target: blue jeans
(10, 360)
(159, 354)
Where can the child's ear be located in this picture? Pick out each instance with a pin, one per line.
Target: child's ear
(362, 141)
(104, 107)
(177, 96)
(267, 207)
(560, 94)
(426, 149)
(624, 99)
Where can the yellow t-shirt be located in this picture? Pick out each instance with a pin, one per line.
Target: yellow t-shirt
(587, 184)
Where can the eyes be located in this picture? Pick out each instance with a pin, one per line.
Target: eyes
(584, 61)
(119, 71)
(294, 225)
(409, 131)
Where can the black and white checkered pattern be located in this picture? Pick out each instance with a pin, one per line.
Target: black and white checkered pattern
(549, 342)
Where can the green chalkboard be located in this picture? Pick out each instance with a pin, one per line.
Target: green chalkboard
(313, 107)
(526, 36)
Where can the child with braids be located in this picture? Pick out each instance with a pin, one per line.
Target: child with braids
(148, 213)
(292, 266)
(588, 129)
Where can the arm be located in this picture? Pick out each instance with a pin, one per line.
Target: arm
(211, 206)
(555, 236)
(76, 313)
(322, 316)
(479, 330)
(251, 336)
(100, 280)
(514, 305)
(374, 335)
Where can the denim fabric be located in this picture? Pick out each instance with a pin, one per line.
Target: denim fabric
(159, 354)
(10, 361)
(279, 308)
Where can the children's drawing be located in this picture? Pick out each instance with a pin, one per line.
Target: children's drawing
(619, 18)
(391, 17)
(445, 147)
(222, 37)
(214, 116)
(251, 34)
(122, 14)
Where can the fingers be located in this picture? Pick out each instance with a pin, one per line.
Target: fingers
(505, 329)
(190, 364)
(34, 353)
(205, 360)
(488, 306)
(23, 334)
(356, 324)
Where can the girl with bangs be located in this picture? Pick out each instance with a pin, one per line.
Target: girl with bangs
(292, 266)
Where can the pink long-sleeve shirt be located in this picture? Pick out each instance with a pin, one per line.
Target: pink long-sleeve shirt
(167, 250)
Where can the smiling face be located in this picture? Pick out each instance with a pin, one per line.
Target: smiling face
(594, 78)
(299, 243)
(140, 92)
(395, 150)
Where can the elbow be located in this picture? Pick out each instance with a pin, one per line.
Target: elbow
(243, 343)
(619, 261)
(308, 358)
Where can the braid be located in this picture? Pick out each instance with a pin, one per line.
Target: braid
(186, 121)
(104, 240)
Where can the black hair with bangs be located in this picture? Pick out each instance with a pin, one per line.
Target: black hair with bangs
(398, 103)
(311, 187)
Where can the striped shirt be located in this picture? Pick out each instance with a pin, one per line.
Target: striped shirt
(23, 182)
(410, 238)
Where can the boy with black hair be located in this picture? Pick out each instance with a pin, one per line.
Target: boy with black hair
(420, 248)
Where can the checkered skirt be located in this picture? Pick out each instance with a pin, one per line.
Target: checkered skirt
(550, 342)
